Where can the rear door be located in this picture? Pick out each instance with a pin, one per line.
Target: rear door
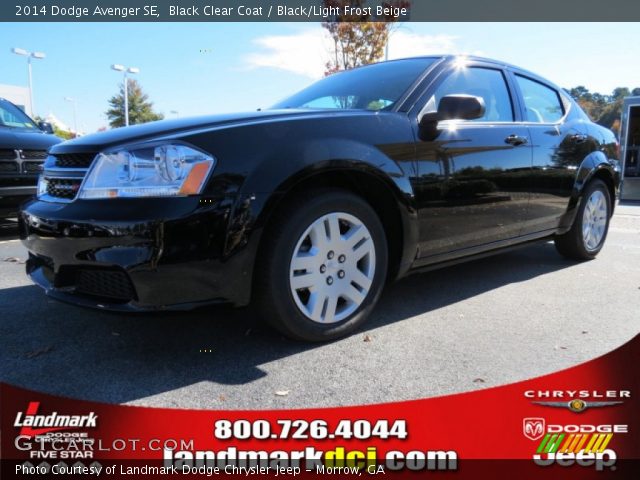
(560, 140)
(471, 186)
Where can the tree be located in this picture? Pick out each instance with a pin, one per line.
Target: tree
(603, 109)
(140, 108)
(620, 92)
(57, 131)
(591, 103)
(63, 133)
(357, 38)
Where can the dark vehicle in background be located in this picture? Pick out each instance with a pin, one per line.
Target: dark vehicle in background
(309, 208)
(23, 149)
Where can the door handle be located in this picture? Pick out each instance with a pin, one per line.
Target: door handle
(579, 138)
(516, 140)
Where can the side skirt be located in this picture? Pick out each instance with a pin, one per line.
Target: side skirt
(473, 253)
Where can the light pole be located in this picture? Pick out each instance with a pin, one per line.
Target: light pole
(75, 113)
(29, 55)
(122, 68)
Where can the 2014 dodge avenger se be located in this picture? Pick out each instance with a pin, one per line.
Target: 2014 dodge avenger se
(309, 208)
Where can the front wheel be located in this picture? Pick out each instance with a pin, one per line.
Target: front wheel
(323, 266)
(589, 230)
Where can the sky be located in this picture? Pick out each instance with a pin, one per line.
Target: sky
(206, 68)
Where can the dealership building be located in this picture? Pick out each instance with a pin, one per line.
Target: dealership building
(19, 96)
(630, 143)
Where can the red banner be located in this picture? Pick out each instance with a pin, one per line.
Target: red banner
(582, 422)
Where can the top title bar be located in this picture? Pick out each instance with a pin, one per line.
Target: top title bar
(319, 11)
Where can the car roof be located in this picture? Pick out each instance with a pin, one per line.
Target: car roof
(4, 100)
(474, 58)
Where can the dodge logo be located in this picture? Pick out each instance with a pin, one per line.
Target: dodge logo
(533, 428)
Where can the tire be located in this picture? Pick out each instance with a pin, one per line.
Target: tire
(320, 232)
(589, 230)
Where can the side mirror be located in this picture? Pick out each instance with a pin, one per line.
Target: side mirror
(461, 107)
(46, 127)
(451, 107)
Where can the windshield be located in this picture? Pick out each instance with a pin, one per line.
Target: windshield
(11, 116)
(374, 87)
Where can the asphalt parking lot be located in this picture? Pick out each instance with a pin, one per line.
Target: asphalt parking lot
(485, 323)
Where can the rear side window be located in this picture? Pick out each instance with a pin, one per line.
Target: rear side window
(542, 104)
(480, 82)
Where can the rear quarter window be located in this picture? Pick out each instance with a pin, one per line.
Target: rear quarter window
(542, 103)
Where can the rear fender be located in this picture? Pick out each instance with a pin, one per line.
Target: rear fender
(596, 164)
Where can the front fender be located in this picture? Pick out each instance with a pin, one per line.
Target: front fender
(252, 211)
(260, 163)
(384, 173)
(308, 158)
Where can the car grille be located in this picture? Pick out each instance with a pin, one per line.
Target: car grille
(110, 284)
(74, 160)
(64, 175)
(19, 161)
(7, 154)
(8, 167)
(32, 167)
(64, 188)
(33, 154)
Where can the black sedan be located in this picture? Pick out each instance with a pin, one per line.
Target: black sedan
(307, 209)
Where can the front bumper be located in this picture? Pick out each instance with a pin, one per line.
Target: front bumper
(135, 254)
(20, 191)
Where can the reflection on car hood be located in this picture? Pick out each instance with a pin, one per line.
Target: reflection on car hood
(147, 131)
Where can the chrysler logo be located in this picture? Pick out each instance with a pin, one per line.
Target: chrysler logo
(533, 428)
(577, 405)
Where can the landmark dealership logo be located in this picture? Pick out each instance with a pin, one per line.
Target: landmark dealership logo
(32, 423)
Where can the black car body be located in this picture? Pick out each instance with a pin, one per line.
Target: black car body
(23, 149)
(443, 191)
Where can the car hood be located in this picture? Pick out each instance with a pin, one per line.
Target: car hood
(148, 131)
(17, 139)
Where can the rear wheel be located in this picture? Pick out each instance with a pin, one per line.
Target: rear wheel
(323, 266)
(589, 230)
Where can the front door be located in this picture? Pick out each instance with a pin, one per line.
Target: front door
(472, 185)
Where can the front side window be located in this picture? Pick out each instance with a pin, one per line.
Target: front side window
(542, 104)
(487, 83)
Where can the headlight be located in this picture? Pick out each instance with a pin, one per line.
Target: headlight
(42, 185)
(167, 170)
